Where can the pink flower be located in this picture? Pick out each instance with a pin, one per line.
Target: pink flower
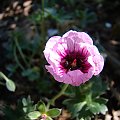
(44, 117)
(73, 58)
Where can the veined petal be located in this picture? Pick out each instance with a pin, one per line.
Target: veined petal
(73, 58)
(78, 37)
(70, 44)
(99, 63)
(77, 77)
(69, 34)
(52, 41)
(97, 59)
(51, 70)
(61, 49)
(85, 38)
(54, 57)
(49, 46)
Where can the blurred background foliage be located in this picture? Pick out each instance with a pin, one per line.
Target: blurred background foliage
(25, 27)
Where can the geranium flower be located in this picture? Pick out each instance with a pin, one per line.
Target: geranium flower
(72, 58)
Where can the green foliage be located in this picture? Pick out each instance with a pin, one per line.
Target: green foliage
(42, 111)
(85, 17)
(28, 105)
(54, 112)
(34, 115)
(41, 107)
(86, 100)
(31, 73)
(26, 110)
(27, 60)
(9, 83)
(21, 111)
(14, 114)
(49, 118)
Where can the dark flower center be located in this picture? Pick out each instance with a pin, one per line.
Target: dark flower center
(75, 61)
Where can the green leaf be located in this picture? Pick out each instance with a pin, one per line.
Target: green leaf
(101, 100)
(99, 87)
(85, 113)
(24, 101)
(49, 118)
(10, 85)
(81, 119)
(77, 107)
(96, 108)
(103, 109)
(32, 73)
(28, 105)
(34, 115)
(54, 112)
(41, 107)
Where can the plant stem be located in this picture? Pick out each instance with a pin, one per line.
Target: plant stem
(42, 23)
(3, 76)
(52, 101)
(20, 51)
(16, 59)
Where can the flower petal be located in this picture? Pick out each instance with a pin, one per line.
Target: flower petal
(58, 52)
(99, 63)
(97, 59)
(77, 77)
(61, 49)
(51, 70)
(85, 38)
(78, 37)
(49, 46)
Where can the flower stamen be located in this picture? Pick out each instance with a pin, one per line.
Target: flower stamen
(74, 63)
